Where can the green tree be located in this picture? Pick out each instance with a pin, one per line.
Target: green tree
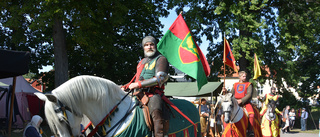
(284, 35)
(102, 38)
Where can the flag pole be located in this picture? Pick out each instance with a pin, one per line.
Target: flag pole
(224, 63)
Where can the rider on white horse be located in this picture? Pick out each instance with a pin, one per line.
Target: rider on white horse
(152, 73)
(266, 99)
(242, 91)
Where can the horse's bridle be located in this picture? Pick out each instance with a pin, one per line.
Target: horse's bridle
(272, 107)
(63, 109)
(231, 107)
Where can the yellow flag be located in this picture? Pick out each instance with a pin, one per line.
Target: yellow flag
(257, 71)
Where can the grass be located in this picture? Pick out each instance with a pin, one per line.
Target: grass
(312, 131)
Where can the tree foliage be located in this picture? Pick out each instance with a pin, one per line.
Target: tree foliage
(283, 34)
(103, 38)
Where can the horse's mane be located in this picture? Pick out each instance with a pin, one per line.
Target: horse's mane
(78, 90)
(75, 92)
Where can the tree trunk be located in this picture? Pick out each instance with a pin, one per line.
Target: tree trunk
(60, 53)
(243, 62)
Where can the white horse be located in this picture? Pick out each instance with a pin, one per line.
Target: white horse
(270, 121)
(235, 119)
(94, 97)
(230, 108)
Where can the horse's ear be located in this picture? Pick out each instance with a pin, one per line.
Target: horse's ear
(230, 95)
(269, 100)
(52, 98)
(46, 97)
(41, 96)
(277, 103)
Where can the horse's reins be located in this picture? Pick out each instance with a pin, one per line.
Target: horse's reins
(235, 114)
(268, 117)
(123, 118)
(103, 120)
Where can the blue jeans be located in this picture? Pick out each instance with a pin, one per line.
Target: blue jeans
(303, 124)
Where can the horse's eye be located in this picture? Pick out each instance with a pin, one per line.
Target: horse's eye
(57, 110)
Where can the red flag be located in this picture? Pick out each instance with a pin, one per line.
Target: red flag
(228, 58)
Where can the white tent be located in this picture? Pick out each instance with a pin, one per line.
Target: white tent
(24, 96)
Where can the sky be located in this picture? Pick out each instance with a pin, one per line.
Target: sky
(170, 19)
(167, 23)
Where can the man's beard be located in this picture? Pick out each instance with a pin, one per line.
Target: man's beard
(150, 53)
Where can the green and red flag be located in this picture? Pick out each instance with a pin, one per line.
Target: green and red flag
(228, 58)
(182, 52)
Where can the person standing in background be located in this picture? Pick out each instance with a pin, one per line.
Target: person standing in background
(204, 115)
(286, 116)
(292, 118)
(304, 117)
(33, 127)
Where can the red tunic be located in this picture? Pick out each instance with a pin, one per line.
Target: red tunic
(240, 89)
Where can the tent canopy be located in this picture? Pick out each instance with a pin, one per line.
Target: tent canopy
(26, 102)
(190, 89)
(13, 63)
(22, 85)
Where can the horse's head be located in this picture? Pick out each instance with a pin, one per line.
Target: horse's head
(271, 106)
(61, 119)
(228, 104)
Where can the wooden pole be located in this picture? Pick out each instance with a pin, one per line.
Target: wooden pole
(11, 105)
(224, 64)
(199, 107)
(312, 118)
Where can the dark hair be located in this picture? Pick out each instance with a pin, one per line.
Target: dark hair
(203, 99)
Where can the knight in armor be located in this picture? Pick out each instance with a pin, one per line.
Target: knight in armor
(242, 91)
(266, 99)
(152, 73)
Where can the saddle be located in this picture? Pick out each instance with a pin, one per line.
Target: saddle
(144, 99)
